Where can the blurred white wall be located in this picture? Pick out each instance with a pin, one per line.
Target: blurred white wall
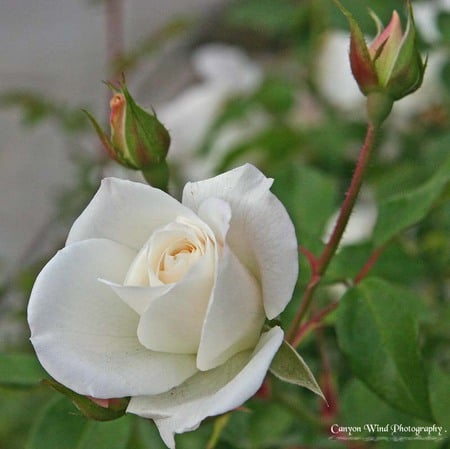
(57, 48)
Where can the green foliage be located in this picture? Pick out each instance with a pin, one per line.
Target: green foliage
(310, 197)
(18, 409)
(20, 370)
(61, 426)
(265, 15)
(405, 209)
(268, 424)
(378, 332)
(37, 108)
(383, 355)
(361, 407)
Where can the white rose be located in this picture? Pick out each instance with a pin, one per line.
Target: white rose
(165, 302)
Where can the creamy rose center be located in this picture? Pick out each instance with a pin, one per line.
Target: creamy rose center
(170, 253)
(176, 260)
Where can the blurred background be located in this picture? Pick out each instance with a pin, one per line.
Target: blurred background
(265, 81)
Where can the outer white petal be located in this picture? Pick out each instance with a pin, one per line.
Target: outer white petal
(217, 214)
(209, 393)
(85, 336)
(126, 212)
(235, 314)
(261, 233)
(173, 321)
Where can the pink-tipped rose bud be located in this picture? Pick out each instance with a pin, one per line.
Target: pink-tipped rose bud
(138, 139)
(390, 68)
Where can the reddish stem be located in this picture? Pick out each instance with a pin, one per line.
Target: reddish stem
(349, 202)
(329, 409)
(369, 264)
(313, 323)
(312, 259)
(320, 266)
(304, 306)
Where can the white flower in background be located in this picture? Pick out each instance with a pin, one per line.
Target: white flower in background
(165, 302)
(333, 73)
(336, 83)
(430, 92)
(426, 17)
(224, 71)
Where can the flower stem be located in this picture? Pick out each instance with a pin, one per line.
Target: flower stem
(369, 264)
(349, 202)
(313, 323)
(321, 264)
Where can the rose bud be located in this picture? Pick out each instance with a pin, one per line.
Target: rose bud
(390, 68)
(138, 141)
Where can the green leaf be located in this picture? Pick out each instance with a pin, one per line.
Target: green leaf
(289, 366)
(407, 208)
(440, 399)
(264, 15)
(17, 412)
(395, 264)
(20, 370)
(61, 426)
(269, 423)
(145, 435)
(379, 334)
(276, 96)
(360, 407)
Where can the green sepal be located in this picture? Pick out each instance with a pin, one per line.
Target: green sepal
(106, 142)
(147, 139)
(409, 69)
(361, 63)
(379, 106)
(157, 175)
(90, 409)
(289, 366)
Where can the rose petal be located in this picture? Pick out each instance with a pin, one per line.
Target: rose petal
(138, 298)
(126, 212)
(173, 322)
(217, 214)
(211, 392)
(261, 233)
(174, 249)
(85, 336)
(235, 314)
